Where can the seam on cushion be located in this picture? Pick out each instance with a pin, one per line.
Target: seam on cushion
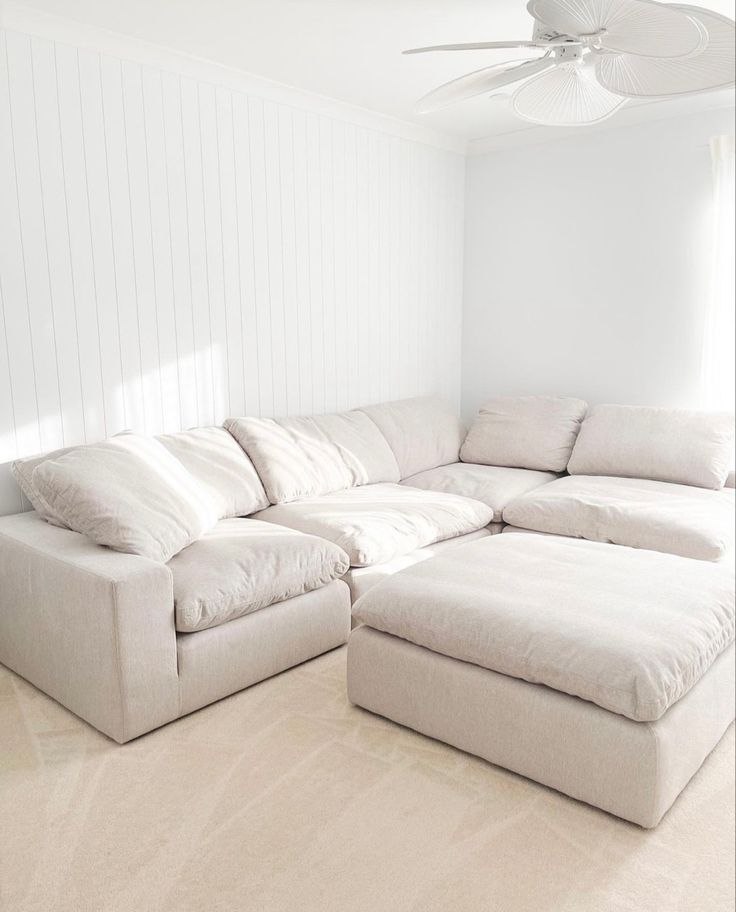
(78, 567)
(116, 640)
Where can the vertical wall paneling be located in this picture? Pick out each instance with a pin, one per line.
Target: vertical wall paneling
(174, 250)
(23, 411)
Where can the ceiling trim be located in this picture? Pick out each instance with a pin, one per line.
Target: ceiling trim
(18, 18)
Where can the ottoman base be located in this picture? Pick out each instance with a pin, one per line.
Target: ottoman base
(634, 770)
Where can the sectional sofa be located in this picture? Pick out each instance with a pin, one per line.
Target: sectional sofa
(157, 575)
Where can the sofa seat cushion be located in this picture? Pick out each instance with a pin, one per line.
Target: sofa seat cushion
(526, 432)
(219, 463)
(674, 445)
(423, 432)
(677, 519)
(494, 486)
(306, 457)
(242, 565)
(377, 523)
(632, 631)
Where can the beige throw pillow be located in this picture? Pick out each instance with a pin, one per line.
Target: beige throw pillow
(129, 494)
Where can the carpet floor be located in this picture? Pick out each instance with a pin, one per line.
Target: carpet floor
(284, 797)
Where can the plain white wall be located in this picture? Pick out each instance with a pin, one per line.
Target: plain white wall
(179, 243)
(587, 265)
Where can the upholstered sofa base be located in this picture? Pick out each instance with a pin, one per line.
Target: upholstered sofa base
(634, 770)
(95, 630)
(217, 662)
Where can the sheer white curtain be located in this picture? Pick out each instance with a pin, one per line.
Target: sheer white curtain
(720, 330)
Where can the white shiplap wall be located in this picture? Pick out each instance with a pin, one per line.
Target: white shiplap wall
(174, 250)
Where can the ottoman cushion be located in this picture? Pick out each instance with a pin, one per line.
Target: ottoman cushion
(631, 631)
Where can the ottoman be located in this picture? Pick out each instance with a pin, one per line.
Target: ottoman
(604, 672)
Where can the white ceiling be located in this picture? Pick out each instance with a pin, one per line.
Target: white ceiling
(344, 49)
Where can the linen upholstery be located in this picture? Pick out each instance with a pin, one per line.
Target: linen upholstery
(495, 486)
(677, 519)
(92, 628)
(378, 523)
(682, 447)
(22, 471)
(219, 464)
(631, 769)
(632, 631)
(219, 661)
(243, 565)
(306, 457)
(129, 494)
(96, 631)
(423, 432)
(527, 432)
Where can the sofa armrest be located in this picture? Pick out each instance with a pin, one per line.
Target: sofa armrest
(91, 627)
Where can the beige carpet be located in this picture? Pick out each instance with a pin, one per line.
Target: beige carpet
(285, 797)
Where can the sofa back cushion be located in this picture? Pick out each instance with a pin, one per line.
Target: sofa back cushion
(525, 432)
(22, 471)
(306, 457)
(129, 494)
(220, 465)
(683, 447)
(423, 433)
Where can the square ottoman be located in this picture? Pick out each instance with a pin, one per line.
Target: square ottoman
(604, 672)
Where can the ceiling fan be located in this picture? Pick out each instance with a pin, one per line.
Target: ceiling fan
(597, 54)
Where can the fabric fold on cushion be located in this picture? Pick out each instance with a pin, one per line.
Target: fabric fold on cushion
(377, 523)
(243, 565)
(129, 494)
(526, 432)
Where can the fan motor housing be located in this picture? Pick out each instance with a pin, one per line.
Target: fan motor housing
(544, 33)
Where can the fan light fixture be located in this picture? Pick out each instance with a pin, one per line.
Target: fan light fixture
(597, 54)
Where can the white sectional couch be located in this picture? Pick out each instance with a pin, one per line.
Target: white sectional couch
(159, 575)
